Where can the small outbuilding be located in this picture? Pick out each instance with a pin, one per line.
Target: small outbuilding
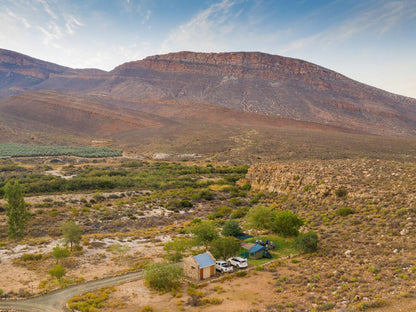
(256, 252)
(199, 267)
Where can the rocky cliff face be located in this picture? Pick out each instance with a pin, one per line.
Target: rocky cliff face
(270, 85)
(332, 178)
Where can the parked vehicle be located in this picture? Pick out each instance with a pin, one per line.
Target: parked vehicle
(223, 267)
(238, 262)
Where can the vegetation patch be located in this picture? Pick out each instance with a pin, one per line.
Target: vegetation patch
(91, 301)
(24, 150)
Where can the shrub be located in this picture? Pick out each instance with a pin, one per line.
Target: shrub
(195, 296)
(90, 301)
(31, 257)
(307, 242)
(213, 300)
(204, 194)
(147, 308)
(246, 187)
(60, 253)
(260, 217)
(287, 223)
(344, 211)
(341, 192)
(240, 212)
(163, 276)
(232, 228)
(58, 271)
(178, 204)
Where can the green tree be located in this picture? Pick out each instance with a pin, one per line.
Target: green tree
(205, 232)
(72, 233)
(16, 210)
(287, 223)
(232, 228)
(163, 276)
(57, 271)
(60, 253)
(260, 217)
(224, 247)
(176, 248)
(307, 242)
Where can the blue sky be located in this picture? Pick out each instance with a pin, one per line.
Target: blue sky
(372, 41)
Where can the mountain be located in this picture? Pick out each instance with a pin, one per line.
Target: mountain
(270, 85)
(191, 101)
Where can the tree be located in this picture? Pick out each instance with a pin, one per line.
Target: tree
(232, 228)
(176, 247)
(60, 253)
(260, 217)
(287, 223)
(205, 232)
(58, 271)
(307, 242)
(163, 276)
(16, 210)
(72, 233)
(224, 247)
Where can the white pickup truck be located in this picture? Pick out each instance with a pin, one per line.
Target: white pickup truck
(223, 267)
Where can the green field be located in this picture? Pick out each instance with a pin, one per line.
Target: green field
(24, 150)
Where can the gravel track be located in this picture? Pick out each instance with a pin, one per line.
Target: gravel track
(56, 300)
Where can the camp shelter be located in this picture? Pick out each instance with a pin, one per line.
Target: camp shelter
(256, 252)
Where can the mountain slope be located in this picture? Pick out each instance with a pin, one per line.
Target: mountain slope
(243, 81)
(270, 85)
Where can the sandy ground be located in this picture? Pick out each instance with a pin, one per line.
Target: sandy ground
(93, 263)
(238, 294)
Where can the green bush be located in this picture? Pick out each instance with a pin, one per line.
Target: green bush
(163, 276)
(204, 194)
(58, 271)
(232, 228)
(31, 257)
(344, 211)
(178, 204)
(341, 192)
(260, 217)
(287, 223)
(240, 212)
(307, 242)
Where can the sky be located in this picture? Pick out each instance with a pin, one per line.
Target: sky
(372, 41)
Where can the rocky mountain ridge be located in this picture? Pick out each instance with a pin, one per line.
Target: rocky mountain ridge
(242, 81)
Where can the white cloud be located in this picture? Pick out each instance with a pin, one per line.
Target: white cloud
(71, 23)
(19, 18)
(376, 19)
(206, 31)
(48, 9)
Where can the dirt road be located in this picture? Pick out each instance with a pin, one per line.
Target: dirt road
(55, 301)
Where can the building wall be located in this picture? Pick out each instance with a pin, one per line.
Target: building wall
(190, 268)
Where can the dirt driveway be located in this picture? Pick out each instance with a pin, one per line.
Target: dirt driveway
(56, 301)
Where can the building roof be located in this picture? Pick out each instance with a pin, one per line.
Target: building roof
(204, 260)
(256, 248)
